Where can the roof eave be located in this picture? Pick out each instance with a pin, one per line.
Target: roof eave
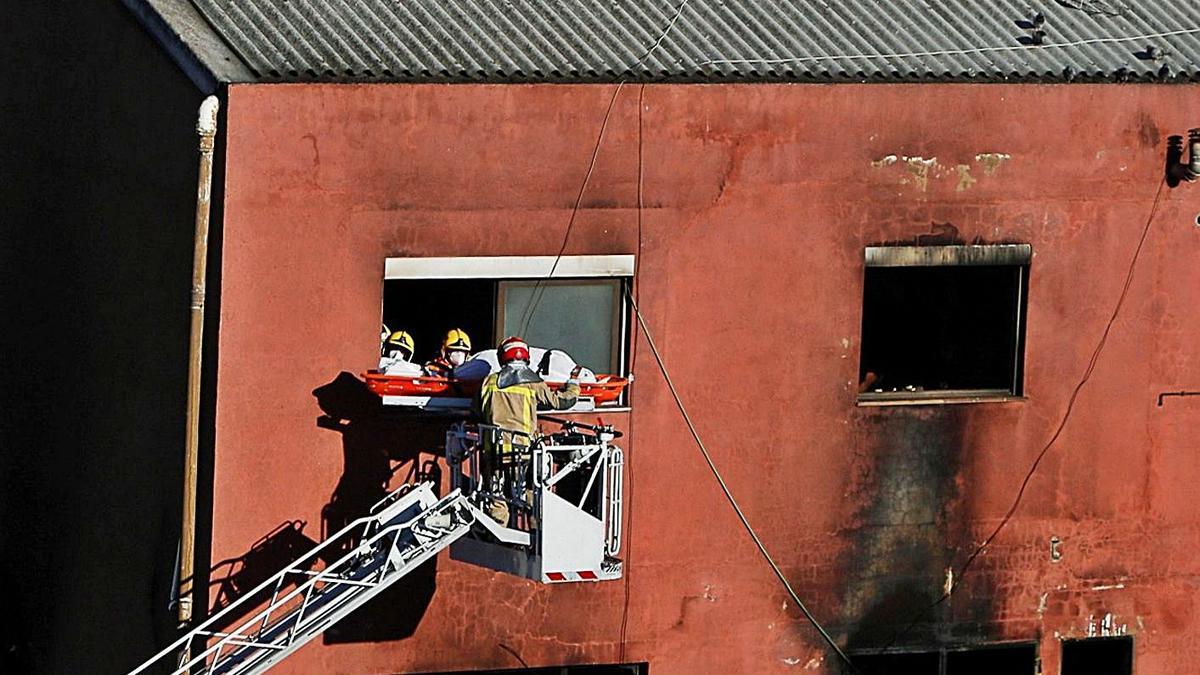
(191, 42)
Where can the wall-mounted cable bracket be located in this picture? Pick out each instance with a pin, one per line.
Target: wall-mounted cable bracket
(1181, 394)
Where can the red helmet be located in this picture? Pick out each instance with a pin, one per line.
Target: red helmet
(513, 349)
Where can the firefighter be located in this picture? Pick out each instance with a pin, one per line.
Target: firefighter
(395, 355)
(509, 400)
(456, 347)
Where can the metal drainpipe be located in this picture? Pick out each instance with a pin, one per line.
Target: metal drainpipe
(1194, 153)
(206, 127)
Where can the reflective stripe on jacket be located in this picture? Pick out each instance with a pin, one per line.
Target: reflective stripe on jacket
(515, 407)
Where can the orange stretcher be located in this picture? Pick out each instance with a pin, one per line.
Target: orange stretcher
(607, 388)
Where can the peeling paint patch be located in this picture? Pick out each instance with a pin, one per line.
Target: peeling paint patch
(814, 663)
(965, 179)
(1105, 627)
(1041, 608)
(791, 661)
(919, 170)
(990, 161)
(920, 167)
(1108, 587)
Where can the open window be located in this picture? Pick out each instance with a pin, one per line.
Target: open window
(1098, 656)
(943, 324)
(897, 663)
(580, 309)
(989, 659)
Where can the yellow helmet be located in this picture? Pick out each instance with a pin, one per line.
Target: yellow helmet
(402, 342)
(456, 340)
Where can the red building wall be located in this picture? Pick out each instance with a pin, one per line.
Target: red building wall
(758, 201)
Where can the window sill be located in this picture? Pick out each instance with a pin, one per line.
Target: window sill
(942, 397)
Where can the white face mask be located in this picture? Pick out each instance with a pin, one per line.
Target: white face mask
(456, 358)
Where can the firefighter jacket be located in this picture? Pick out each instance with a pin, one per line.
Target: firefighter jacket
(510, 399)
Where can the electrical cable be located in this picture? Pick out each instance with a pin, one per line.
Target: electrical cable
(632, 368)
(729, 495)
(536, 296)
(663, 36)
(1087, 375)
(951, 52)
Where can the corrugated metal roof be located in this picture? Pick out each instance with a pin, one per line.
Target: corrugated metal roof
(607, 40)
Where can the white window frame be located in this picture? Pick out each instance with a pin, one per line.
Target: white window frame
(619, 267)
(509, 267)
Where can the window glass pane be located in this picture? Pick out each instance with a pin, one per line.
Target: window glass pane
(575, 316)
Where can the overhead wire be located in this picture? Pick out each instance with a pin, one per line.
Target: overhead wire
(629, 473)
(950, 52)
(538, 290)
(535, 297)
(762, 549)
(960, 575)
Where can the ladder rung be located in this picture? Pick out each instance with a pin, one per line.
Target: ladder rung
(339, 580)
(240, 643)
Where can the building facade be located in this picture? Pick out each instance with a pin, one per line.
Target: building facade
(757, 204)
(907, 317)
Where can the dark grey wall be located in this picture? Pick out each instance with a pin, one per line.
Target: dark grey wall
(97, 154)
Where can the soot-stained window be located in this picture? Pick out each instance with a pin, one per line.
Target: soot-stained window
(995, 659)
(905, 663)
(1098, 656)
(600, 669)
(943, 322)
(1011, 659)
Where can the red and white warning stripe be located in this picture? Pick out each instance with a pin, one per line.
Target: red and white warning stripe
(582, 575)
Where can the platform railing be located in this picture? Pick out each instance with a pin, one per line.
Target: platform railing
(529, 465)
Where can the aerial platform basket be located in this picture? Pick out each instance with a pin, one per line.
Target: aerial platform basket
(564, 489)
(563, 496)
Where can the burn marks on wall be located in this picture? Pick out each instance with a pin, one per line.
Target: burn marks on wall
(909, 526)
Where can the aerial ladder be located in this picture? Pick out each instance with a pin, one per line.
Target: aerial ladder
(563, 493)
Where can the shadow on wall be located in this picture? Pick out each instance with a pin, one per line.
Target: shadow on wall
(234, 577)
(375, 446)
(95, 262)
